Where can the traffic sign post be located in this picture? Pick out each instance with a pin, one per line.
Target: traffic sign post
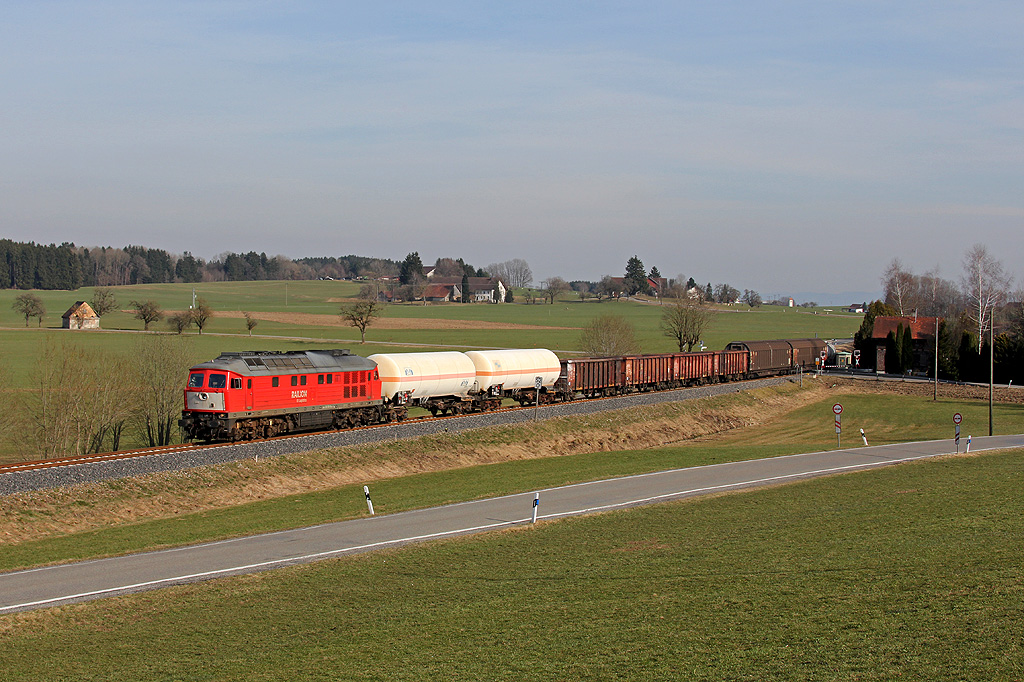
(837, 409)
(957, 418)
(537, 382)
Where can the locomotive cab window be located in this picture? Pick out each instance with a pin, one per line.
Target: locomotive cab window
(236, 383)
(195, 380)
(218, 380)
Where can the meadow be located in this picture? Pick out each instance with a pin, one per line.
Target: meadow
(293, 315)
(913, 571)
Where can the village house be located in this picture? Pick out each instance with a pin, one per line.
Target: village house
(80, 316)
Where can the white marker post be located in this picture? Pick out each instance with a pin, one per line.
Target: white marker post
(369, 502)
(968, 444)
(537, 381)
(837, 410)
(536, 505)
(863, 437)
(957, 418)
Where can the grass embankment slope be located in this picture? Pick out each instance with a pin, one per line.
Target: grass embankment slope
(911, 571)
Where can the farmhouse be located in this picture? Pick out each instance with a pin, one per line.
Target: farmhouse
(480, 289)
(80, 316)
(922, 335)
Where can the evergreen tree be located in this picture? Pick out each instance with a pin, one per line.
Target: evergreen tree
(410, 269)
(709, 293)
(907, 350)
(465, 289)
(635, 280)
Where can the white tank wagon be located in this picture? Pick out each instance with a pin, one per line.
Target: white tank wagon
(440, 382)
(513, 373)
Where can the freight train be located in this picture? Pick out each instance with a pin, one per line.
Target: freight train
(260, 394)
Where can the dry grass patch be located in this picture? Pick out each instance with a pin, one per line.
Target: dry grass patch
(319, 320)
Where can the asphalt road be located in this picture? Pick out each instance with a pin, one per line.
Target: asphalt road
(83, 581)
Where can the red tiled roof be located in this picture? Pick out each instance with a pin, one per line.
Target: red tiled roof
(921, 328)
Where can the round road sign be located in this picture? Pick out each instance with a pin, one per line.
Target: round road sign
(957, 418)
(837, 408)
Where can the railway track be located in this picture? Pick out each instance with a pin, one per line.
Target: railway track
(64, 471)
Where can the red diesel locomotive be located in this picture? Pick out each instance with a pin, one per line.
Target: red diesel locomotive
(241, 396)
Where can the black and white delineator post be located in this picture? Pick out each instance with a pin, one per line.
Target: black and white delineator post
(536, 505)
(369, 502)
(863, 437)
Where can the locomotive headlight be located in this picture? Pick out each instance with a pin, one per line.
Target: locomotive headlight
(203, 396)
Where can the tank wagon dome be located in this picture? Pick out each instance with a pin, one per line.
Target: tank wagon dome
(425, 374)
(258, 363)
(515, 369)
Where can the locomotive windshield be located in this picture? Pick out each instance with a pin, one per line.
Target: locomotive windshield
(218, 380)
(195, 380)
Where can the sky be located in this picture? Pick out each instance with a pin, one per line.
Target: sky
(782, 147)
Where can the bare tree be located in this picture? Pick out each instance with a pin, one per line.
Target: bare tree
(725, 293)
(180, 321)
(514, 273)
(752, 298)
(361, 314)
(900, 287)
(606, 288)
(29, 305)
(201, 313)
(985, 285)
(250, 322)
(554, 287)
(147, 311)
(103, 301)
(685, 321)
(160, 366)
(608, 335)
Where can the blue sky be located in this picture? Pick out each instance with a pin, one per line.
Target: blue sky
(776, 146)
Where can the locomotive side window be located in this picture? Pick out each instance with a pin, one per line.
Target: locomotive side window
(218, 380)
(319, 378)
(275, 382)
(236, 383)
(195, 380)
(295, 380)
(302, 380)
(330, 378)
(248, 383)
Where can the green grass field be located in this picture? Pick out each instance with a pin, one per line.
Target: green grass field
(565, 319)
(911, 572)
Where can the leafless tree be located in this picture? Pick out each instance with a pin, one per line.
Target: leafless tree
(726, 294)
(29, 305)
(685, 321)
(514, 273)
(103, 301)
(147, 311)
(160, 367)
(201, 313)
(605, 288)
(361, 314)
(180, 321)
(77, 402)
(554, 287)
(250, 322)
(985, 285)
(900, 287)
(608, 335)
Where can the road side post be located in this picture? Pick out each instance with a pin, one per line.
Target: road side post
(536, 505)
(369, 502)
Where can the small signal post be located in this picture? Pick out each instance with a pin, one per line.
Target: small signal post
(837, 410)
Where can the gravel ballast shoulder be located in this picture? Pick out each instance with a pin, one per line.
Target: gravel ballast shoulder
(56, 477)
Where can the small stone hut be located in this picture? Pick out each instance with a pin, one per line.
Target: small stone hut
(80, 316)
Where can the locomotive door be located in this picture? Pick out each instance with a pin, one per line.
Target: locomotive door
(248, 394)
